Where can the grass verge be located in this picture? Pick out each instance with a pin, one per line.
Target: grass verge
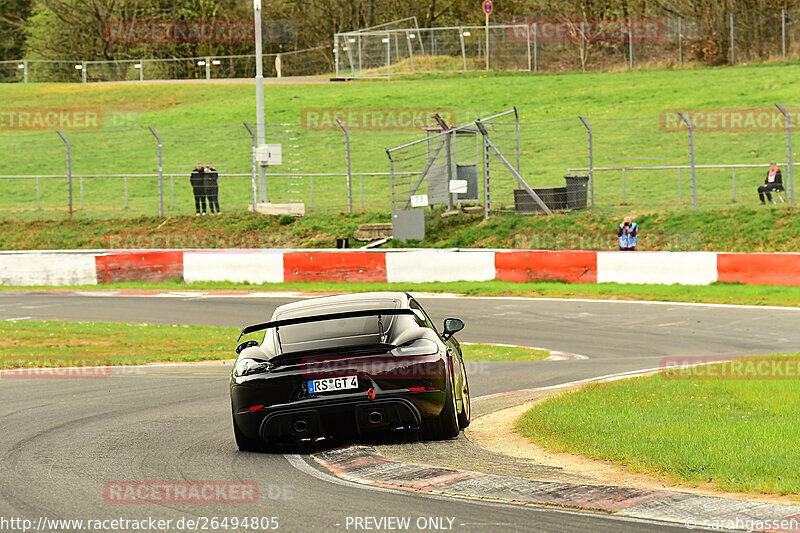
(716, 293)
(54, 344)
(733, 430)
(491, 352)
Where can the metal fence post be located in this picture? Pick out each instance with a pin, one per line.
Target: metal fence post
(630, 42)
(680, 41)
(80, 180)
(160, 172)
(733, 43)
(388, 42)
(535, 50)
(311, 180)
(83, 71)
(516, 126)
(172, 192)
(591, 162)
(208, 68)
(783, 33)
(391, 177)
(583, 46)
(733, 180)
(69, 169)
(349, 174)
(362, 191)
(449, 156)
(528, 43)
(25, 71)
(126, 192)
(688, 122)
(410, 52)
(624, 192)
(253, 159)
(485, 163)
(789, 152)
(463, 50)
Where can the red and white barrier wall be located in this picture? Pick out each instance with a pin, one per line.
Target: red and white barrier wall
(406, 266)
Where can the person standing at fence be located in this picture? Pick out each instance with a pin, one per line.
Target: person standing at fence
(197, 179)
(212, 188)
(628, 230)
(773, 182)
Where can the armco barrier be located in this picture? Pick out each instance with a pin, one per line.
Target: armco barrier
(685, 268)
(569, 266)
(139, 266)
(759, 269)
(47, 268)
(334, 266)
(52, 268)
(254, 266)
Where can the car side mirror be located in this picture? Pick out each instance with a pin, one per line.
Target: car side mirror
(451, 327)
(245, 344)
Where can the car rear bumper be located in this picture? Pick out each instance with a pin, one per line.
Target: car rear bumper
(336, 417)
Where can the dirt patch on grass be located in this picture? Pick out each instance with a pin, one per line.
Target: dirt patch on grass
(497, 432)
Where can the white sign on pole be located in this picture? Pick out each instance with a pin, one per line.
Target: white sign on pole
(419, 200)
(458, 186)
(269, 154)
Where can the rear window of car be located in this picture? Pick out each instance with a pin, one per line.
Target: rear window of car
(359, 331)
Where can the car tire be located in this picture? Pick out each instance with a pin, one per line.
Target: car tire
(444, 426)
(245, 443)
(466, 409)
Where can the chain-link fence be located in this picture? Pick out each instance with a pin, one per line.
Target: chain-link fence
(311, 61)
(525, 43)
(641, 163)
(542, 43)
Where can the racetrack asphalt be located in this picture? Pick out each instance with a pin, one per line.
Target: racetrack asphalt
(64, 440)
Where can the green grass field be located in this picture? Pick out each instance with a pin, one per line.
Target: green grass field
(716, 293)
(742, 229)
(203, 121)
(731, 430)
(54, 344)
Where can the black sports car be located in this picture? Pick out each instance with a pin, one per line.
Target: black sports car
(346, 365)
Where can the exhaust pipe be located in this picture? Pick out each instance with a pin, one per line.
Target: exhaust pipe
(375, 417)
(300, 426)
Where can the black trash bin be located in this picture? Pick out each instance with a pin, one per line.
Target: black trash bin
(577, 190)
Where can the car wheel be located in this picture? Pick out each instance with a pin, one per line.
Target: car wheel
(245, 443)
(444, 426)
(466, 411)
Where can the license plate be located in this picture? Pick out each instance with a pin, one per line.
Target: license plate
(332, 384)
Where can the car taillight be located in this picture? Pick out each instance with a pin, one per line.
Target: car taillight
(251, 408)
(423, 389)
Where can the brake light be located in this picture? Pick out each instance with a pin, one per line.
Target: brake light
(251, 408)
(423, 389)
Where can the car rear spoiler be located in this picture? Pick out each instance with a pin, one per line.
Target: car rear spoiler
(320, 318)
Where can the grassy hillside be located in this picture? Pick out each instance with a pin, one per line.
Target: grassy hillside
(739, 229)
(203, 121)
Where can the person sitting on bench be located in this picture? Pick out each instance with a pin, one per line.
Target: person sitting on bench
(773, 182)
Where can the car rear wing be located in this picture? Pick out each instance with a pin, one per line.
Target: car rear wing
(320, 318)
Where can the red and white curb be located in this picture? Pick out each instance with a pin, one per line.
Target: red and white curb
(363, 465)
(90, 267)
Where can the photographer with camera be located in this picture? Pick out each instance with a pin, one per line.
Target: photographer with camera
(627, 235)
